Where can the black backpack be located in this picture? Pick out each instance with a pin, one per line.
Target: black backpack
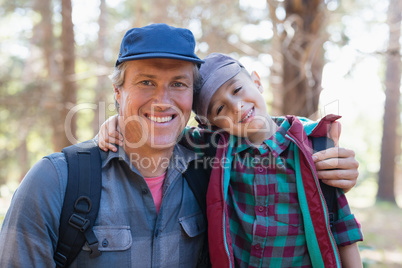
(82, 199)
(81, 202)
(83, 192)
(320, 144)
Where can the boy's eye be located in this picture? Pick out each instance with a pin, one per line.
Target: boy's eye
(219, 109)
(237, 90)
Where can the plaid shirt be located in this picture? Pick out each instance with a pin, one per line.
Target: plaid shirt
(265, 219)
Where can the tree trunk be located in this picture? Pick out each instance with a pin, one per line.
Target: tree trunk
(161, 13)
(298, 56)
(65, 124)
(23, 163)
(386, 176)
(138, 14)
(46, 40)
(103, 85)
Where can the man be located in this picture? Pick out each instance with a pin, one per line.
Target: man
(155, 98)
(148, 215)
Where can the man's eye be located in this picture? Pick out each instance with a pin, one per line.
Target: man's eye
(237, 90)
(219, 109)
(146, 83)
(178, 84)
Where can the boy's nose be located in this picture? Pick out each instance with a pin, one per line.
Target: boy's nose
(238, 107)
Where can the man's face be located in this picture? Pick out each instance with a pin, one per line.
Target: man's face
(155, 102)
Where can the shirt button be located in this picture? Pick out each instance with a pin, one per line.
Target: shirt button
(261, 208)
(144, 191)
(260, 169)
(257, 246)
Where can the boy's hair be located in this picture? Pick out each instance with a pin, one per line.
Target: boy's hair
(217, 70)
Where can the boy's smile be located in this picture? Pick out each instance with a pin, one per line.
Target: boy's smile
(247, 116)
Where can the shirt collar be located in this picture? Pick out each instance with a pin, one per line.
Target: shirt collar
(277, 143)
(179, 160)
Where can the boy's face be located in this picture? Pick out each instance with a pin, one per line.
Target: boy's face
(239, 108)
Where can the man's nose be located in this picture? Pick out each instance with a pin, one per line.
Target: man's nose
(162, 98)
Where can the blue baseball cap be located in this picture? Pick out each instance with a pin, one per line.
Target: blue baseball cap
(158, 41)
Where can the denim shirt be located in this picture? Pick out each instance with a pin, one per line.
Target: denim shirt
(128, 228)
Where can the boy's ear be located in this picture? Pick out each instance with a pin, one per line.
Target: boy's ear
(257, 81)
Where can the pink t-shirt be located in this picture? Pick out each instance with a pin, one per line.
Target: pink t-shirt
(155, 185)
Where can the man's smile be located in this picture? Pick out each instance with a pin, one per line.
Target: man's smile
(160, 119)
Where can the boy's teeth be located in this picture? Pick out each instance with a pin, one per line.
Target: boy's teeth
(248, 115)
(160, 119)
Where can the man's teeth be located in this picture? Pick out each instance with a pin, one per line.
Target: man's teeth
(160, 119)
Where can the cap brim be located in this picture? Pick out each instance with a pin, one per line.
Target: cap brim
(159, 55)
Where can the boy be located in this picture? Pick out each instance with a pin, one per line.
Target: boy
(264, 206)
(269, 195)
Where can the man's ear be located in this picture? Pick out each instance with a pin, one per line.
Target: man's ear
(257, 81)
(117, 92)
(117, 97)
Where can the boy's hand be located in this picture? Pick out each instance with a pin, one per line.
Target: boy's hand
(108, 135)
(337, 166)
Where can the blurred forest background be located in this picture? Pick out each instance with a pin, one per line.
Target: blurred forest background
(314, 56)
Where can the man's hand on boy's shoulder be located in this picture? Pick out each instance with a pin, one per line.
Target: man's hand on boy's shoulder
(337, 167)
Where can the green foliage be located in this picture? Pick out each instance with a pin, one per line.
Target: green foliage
(29, 98)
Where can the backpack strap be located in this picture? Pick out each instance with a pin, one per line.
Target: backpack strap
(198, 172)
(81, 202)
(198, 180)
(320, 144)
(197, 176)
